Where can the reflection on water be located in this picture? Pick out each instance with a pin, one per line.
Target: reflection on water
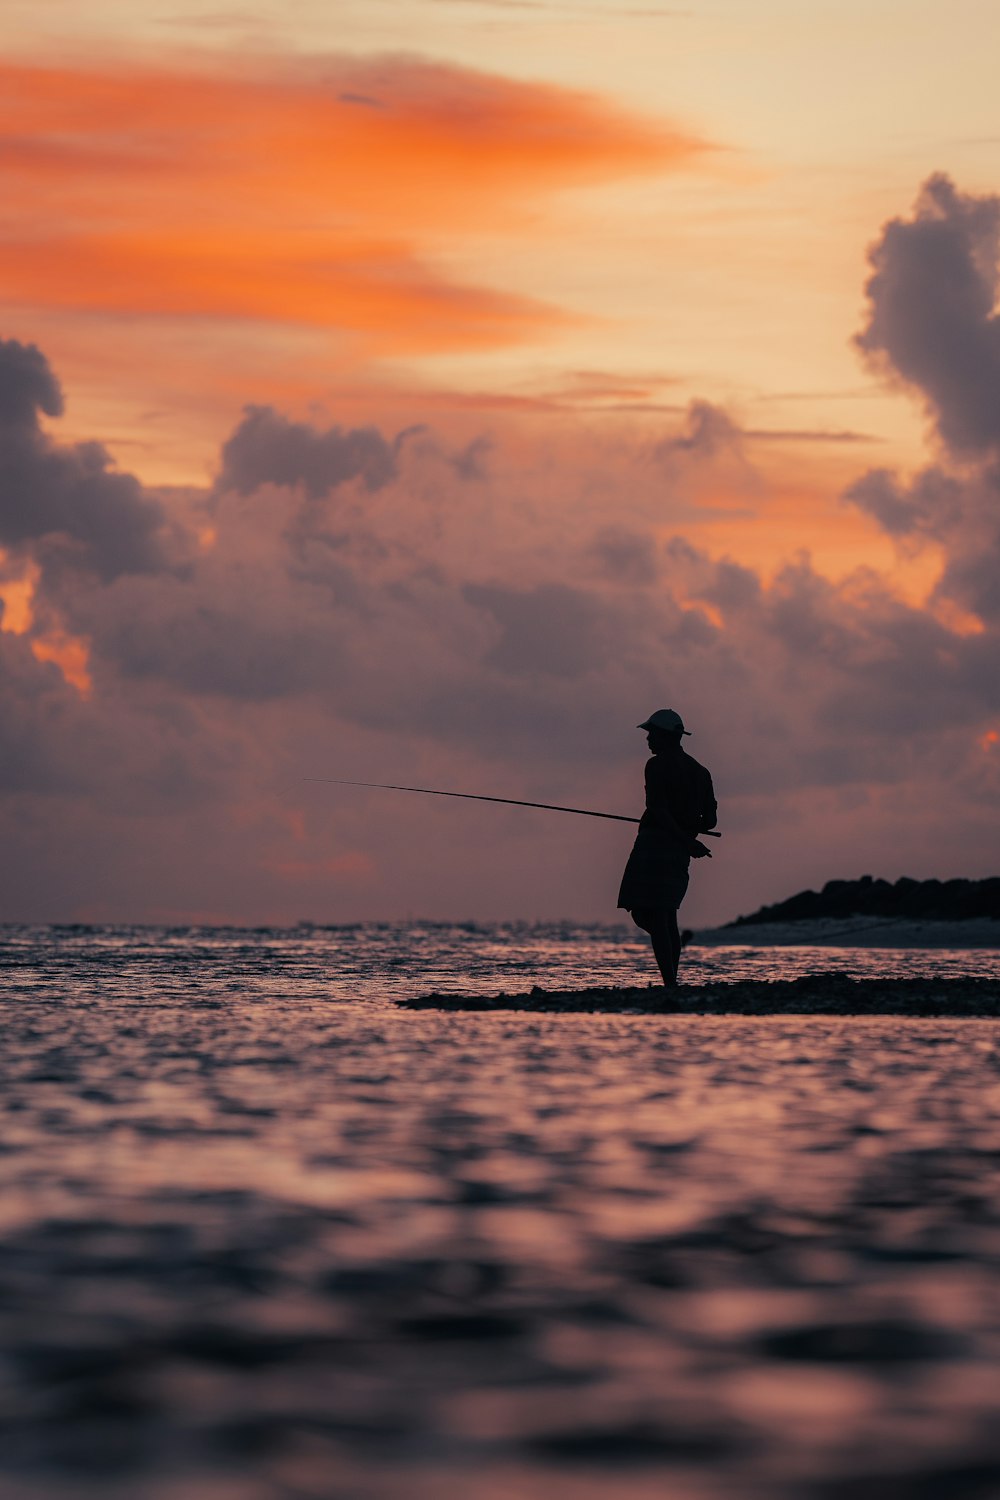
(379, 962)
(256, 1246)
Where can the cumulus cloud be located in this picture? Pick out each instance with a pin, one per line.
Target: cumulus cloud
(27, 386)
(932, 325)
(930, 506)
(549, 629)
(932, 317)
(67, 505)
(266, 448)
(625, 555)
(39, 725)
(708, 430)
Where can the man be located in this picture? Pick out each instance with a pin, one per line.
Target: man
(680, 804)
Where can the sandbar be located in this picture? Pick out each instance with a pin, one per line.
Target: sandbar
(823, 994)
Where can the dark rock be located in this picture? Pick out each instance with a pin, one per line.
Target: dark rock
(913, 900)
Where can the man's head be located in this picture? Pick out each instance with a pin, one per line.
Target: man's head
(663, 730)
(662, 741)
(665, 718)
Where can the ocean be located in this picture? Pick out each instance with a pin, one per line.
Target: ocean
(265, 1236)
(376, 963)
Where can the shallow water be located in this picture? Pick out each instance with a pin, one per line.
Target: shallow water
(256, 1245)
(381, 962)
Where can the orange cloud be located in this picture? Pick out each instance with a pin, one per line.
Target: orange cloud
(303, 198)
(71, 654)
(377, 291)
(16, 596)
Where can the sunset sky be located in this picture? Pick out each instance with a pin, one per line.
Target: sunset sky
(427, 390)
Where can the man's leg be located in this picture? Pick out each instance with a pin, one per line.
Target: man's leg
(673, 944)
(662, 928)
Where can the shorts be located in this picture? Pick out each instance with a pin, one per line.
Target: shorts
(656, 874)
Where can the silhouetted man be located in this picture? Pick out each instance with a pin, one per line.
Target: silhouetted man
(680, 804)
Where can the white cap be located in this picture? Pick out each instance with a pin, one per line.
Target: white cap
(665, 718)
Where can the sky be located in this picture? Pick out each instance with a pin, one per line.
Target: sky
(425, 391)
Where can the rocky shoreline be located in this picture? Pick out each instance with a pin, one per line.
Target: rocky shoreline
(905, 900)
(823, 994)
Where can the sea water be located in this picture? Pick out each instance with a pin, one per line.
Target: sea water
(381, 962)
(264, 1236)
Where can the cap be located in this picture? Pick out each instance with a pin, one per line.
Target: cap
(664, 718)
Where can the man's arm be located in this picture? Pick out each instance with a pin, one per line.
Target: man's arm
(709, 807)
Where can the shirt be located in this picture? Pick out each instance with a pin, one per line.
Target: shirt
(679, 793)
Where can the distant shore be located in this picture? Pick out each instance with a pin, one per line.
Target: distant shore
(855, 932)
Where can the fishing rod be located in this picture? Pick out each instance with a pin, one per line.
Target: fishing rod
(583, 812)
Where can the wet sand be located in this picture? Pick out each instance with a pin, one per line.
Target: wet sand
(821, 994)
(272, 1250)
